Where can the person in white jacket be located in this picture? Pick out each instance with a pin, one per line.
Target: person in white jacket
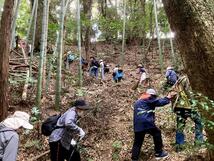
(9, 138)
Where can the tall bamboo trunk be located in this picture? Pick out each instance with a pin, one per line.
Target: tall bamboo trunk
(124, 32)
(5, 40)
(42, 51)
(79, 44)
(33, 39)
(193, 21)
(59, 59)
(158, 36)
(45, 52)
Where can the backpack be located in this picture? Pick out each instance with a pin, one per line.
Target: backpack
(172, 78)
(50, 124)
(96, 63)
(182, 97)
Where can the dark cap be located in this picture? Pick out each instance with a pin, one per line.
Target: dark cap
(81, 104)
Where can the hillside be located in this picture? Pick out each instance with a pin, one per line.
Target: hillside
(108, 125)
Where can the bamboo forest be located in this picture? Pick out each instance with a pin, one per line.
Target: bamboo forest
(106, 80)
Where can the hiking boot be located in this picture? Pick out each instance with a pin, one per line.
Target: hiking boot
(161, 155)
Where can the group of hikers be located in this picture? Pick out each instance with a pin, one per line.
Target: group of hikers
(96, 67)
(64, 133)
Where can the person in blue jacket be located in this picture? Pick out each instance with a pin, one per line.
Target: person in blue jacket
(144, 122)
(117, 74)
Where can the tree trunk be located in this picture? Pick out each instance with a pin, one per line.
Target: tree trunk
(79, 44)
(42, 51)
(5, 39)
(59, 60)
(122, 59)
(87, 4)
(14, 23)
(39, 25)
(193, 21)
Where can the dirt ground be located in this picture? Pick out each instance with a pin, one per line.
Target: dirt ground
(109, 125)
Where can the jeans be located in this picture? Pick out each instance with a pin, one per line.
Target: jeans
(182, 115)
(59, 153)
(139, 138)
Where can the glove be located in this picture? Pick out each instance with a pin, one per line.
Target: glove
(81, 134)
(73, 142)
(171, 94)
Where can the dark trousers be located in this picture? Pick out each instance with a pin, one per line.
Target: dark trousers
(139, 138)
(59, 153)
(182, 115)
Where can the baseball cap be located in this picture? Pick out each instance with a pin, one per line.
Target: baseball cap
(151, 92)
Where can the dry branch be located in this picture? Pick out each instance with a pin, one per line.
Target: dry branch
(39, 156)
(16, 53)
(24, 93)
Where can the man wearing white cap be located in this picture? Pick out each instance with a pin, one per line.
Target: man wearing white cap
(9, 139)
(144, 122)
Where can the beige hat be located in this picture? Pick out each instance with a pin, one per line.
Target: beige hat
(17, 120)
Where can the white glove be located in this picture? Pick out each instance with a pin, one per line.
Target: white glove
(73, 142)
(81, 134)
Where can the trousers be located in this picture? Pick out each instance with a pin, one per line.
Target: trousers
(182, 115)
(139, 138)
(59, 153)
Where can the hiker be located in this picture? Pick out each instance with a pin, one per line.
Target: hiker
(9, 138)
(171, 76)
(143, 77)
(94, 65)
(144, 122)
(61, 141)
(84, 64)
(102, 69)
(106, 68)
(70, 57)
(117, 74)
(182, 107)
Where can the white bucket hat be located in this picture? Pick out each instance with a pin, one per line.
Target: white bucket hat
(17, 120)
(151, 91)
(169, 68)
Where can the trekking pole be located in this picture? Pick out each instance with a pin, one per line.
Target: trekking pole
(72, 152)
(74, 149)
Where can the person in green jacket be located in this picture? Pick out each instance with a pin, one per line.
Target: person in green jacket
(183, 109)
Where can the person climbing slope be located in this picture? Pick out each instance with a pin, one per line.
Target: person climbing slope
(144, 122)
(183, 109)
(117, 74)
(61, 140)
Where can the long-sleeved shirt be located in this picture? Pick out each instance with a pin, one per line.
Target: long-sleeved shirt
(144, 114)
(9, 142)
(68, 122)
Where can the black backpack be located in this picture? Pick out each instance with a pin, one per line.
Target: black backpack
(50, 124)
